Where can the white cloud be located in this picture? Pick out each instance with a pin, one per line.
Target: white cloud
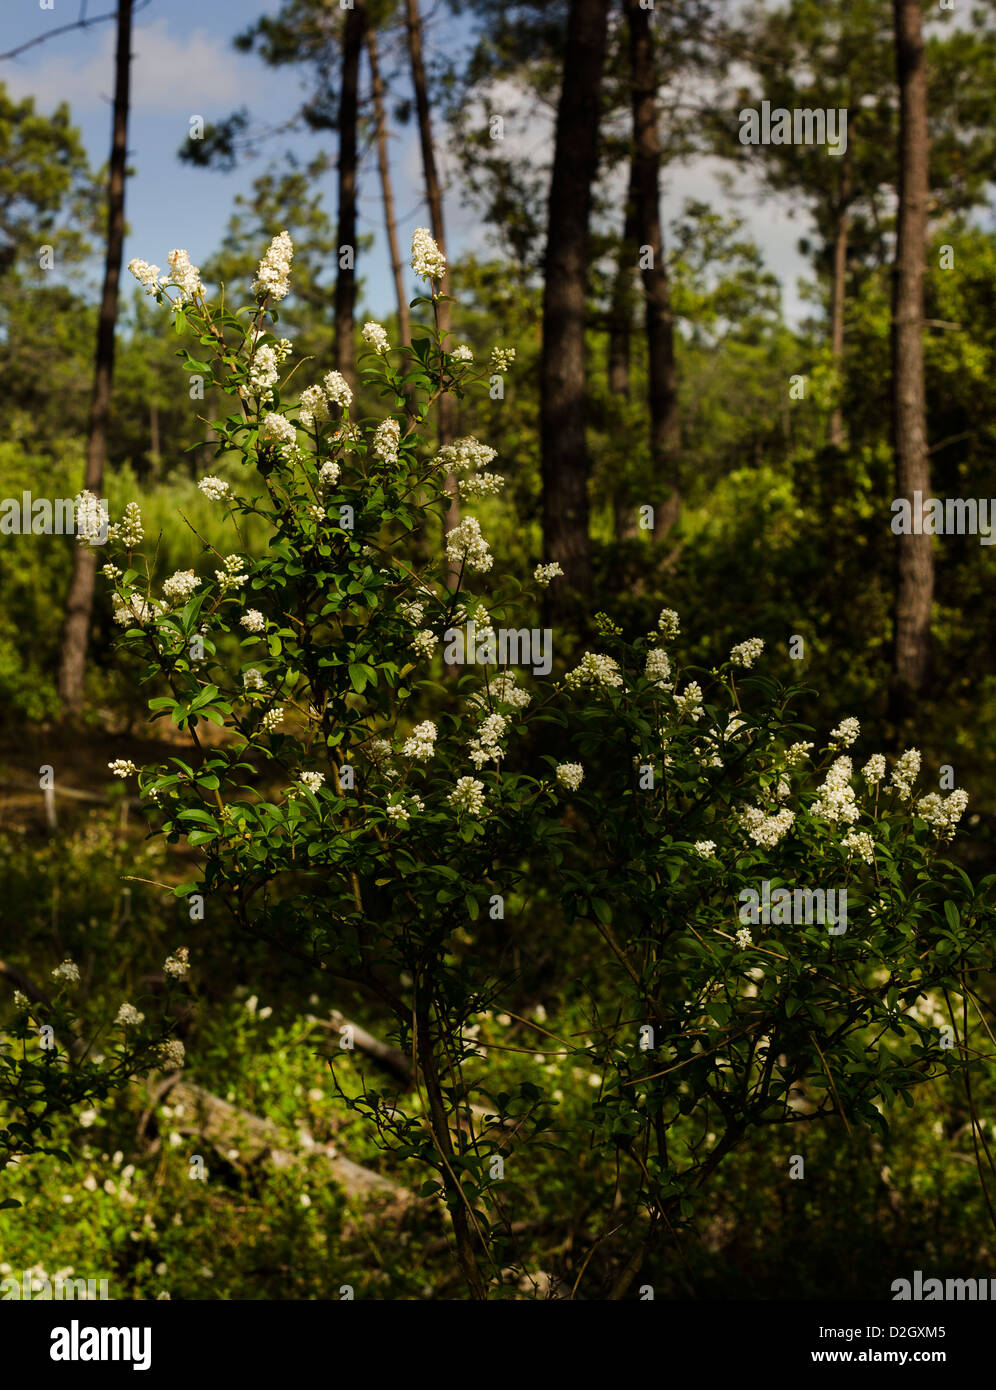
(195, 73)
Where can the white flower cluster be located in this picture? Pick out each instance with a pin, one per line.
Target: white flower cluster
(690, 701)
(253, 620)
(135, 609)
(705, 849)
(215, 488)
(766, 830)
(481, 485)
(179, 586)
(905, 773)
(859, 842)
(746, 653)
(265, 370)
(467, 547)
(315, 400)
(272, 719)
(874, 769)
(178, 963)
(123, 767)
(412, 611)
(942, 814)
(172, 1054)
(232, 576)
(744, 938)
(594, 669)
(129, 531)
(278, 432)
(91, 519)
(424, 642)
(658, 668)
(835, 801)
(252, 680)
(186, 277)
(328, 474)
(485, 747)
(797, 754)
(462, 354)
(402, 810)
(570, 775)
(421, 743)
(375, 335)
(845, 733)
(502, 358)
(543, 574)
(668, 624)
(504, 691)
(387, 438)
(273, 277)
(312, 781)
(128, 1016)
(68, 973)
(428, 262)
(466, 455)
(468, 795)
(145, 274)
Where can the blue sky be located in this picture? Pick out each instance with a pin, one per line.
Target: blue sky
(184, 64)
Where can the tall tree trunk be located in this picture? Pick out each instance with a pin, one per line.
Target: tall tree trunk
(662, 378)
(434, 197)
(915, 586)
(345, 284)
(838, 294)
(390, 222)
(620, 333)
(565, 463)
(79, 604)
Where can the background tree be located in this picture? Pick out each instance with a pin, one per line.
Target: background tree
(79, 604)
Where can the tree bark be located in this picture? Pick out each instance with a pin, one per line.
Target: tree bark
(387, 192)
(838, 293)
(620, 334)
(915, 580)
(345, 284)
(565, 462)
(79, 604)
(434, 197)
(662, 378)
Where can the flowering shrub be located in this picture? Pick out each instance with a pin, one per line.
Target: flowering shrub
(364, 818)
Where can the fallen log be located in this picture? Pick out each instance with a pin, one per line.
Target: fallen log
(226, 1126)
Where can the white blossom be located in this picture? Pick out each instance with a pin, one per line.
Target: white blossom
(375, 335)
(570, 775)
(428, 262)
(466, 546)
(272, 278)
(543, 574)
(67, 973)
(746, 653)
(468, 795)
(215, 488)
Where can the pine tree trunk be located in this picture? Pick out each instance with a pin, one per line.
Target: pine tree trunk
(345, 284)
(915, 586)
(838, 294)
(387, 192)
(75, 635)
(620, 334)
(662, 378)
(565, 462)
(434, 197)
